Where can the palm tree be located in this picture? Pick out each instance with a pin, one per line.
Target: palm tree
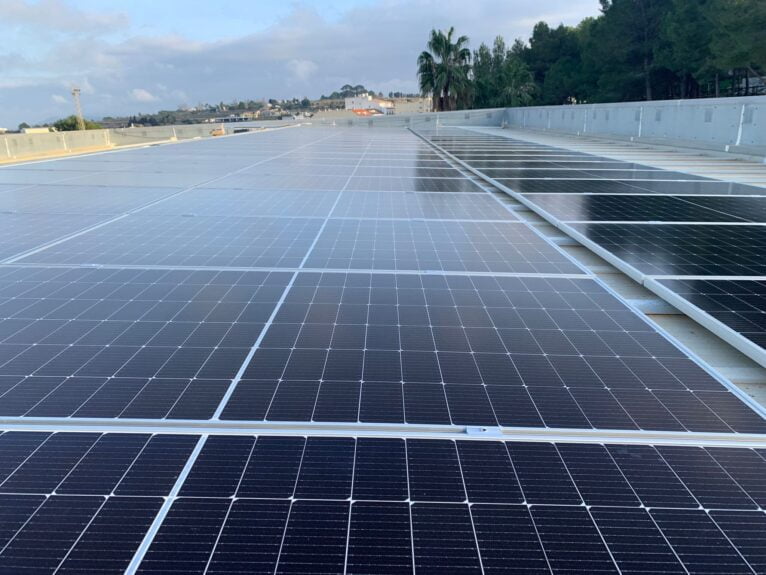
(444, 70)
(519, 83)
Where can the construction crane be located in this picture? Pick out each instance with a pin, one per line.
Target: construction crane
(78, 108)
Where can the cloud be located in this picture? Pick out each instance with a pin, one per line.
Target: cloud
(59, 99)
(302, 69)
(141, 95)
(303, 54)
(56, 15)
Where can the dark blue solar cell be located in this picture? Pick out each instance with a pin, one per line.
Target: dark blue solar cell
(542, 474)
(67, 398)
(508, 539)
(111, 539)
(314, 526)
(635, 542)
(736, 414)
(382, 365)
(434, 471)
(380, 470)
(426, 403)
(15, 447)
(251, 400)
(337, 401)
(597, 477)
(420, 367)
(469, 405)
(326, 468)
(646, 410)
(443, 539)
(707, 481)
(488, 473)
(156, 399)
(497, 369)
(186, 537)
(571, 541)
(293, 401)
(44, 541)
(251, 538)
(651, 478)
(219, 467)
(557, 407)
(745, 531)
(158, 466)
(602, 409)
(514, 407)
(42, 471)
(200, 399)
(699, 543)
(15, 510)
(381, 402)
(104, 465)
(746, 468)
(379, 538)
(273, 468)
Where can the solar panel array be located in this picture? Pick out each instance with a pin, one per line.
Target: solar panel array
(682, 235)
(321, 350)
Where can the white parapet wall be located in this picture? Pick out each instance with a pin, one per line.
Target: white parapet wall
(483, 117)
(736, 125)
(22, 146)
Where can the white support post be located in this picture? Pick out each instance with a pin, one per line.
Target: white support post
(741, 122)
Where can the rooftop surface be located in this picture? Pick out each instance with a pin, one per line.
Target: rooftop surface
(349, 350)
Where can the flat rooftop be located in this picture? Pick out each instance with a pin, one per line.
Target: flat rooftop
(352, 350)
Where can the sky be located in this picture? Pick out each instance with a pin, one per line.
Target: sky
(140, 56)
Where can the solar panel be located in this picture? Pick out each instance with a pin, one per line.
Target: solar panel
(736, 306)
(396, 184)
(471, 350)
(436, 245)
(82, 501)
(434, 206)
(445, 505)
(621, 186)
(637, 242)
(29, 175)
(190, 240)
(392, 330)
(595, 208)
(689, 249)
(80, 200)
(521, 174)
(21, 232)
(249, 203)
(126, 343)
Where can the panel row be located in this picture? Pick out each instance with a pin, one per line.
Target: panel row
(337, 505)
(127, 343)
(266, 242)
(673, 227)
(475, 350)
(84, 502)
(432, 349)
(444, 471)
(272, 536)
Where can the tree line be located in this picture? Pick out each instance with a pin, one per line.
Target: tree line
(633, 50)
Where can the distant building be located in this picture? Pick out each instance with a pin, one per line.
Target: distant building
(413, 105)
(366, 104)
(35, 130)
